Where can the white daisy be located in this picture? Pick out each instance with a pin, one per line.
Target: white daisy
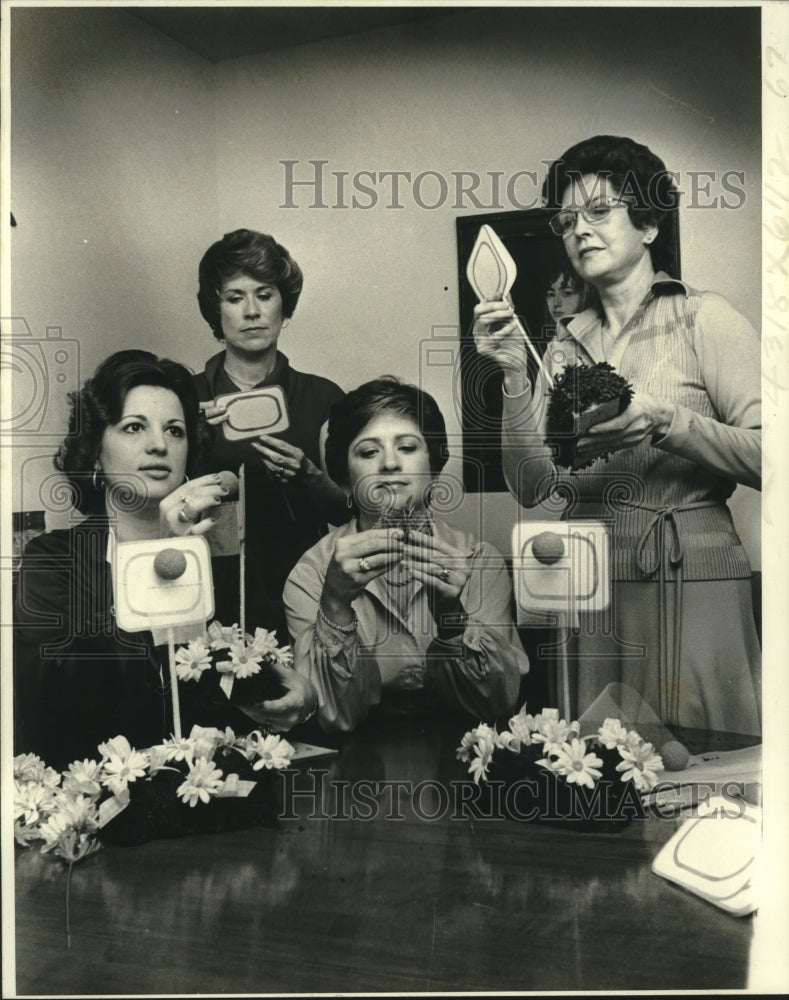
(192, 660)
(612, 734)
(576, 765)
(640, 765)
(272, 752)
(202, 781)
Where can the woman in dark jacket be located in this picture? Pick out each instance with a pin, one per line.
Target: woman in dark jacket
(131, 458)
(249, 288)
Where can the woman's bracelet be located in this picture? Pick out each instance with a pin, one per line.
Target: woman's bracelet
(519, 383)
(345, 629)
(450, 626)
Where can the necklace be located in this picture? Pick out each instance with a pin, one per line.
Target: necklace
(242, 383)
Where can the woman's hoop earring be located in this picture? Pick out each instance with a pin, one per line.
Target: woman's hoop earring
(95, 480)
(349, 501)
(186, 478)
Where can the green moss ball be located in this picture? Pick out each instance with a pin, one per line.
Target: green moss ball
(169, 564)
(548, 547)
(675, 756)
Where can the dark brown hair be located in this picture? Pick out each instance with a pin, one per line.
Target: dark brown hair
(258, 255)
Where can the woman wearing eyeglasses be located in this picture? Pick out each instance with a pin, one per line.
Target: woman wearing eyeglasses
(680, 628)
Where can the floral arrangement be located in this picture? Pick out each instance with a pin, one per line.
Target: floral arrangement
(550, 753)
(73, 812)
(236, 655)
(149, 793)
(208, 782)
(583, 395)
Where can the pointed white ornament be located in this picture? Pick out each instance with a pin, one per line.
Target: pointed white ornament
(491, 272)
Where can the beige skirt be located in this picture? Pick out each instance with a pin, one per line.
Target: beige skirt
(709, 676)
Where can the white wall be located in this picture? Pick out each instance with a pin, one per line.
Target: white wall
(124, 139)
(113, 186)
(477, 92)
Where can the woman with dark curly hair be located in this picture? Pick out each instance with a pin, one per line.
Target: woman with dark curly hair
(249, 288)
(680, 629)
(87, 455)
(397, 611)
(131, 457)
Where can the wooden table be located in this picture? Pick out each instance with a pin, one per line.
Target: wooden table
(326, 904)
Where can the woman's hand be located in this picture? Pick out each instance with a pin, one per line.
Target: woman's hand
(214, 414)
(644, 417)
(284, 462)
(181, 513)
(297, 704)
(441, 568)
(498, 336)
(357, 560)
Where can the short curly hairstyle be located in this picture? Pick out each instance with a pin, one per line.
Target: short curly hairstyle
(349, 417)
(99, 404)
(246, 251)
(634, 170)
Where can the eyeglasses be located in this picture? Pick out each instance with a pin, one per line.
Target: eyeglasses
(563, 222)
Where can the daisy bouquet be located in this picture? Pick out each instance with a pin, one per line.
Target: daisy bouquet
(210, 781)
(547, 771)
(246, 663)
(126, 795)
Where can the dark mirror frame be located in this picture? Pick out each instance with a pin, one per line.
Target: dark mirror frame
(537, 253)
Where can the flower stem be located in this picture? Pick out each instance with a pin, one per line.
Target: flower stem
(68, 903)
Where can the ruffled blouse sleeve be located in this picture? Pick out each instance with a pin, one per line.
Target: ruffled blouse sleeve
(345, 676)
(479, 669)
(475, 668)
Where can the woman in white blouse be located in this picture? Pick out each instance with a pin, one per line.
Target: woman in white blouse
(396, 609)
(680, 628)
